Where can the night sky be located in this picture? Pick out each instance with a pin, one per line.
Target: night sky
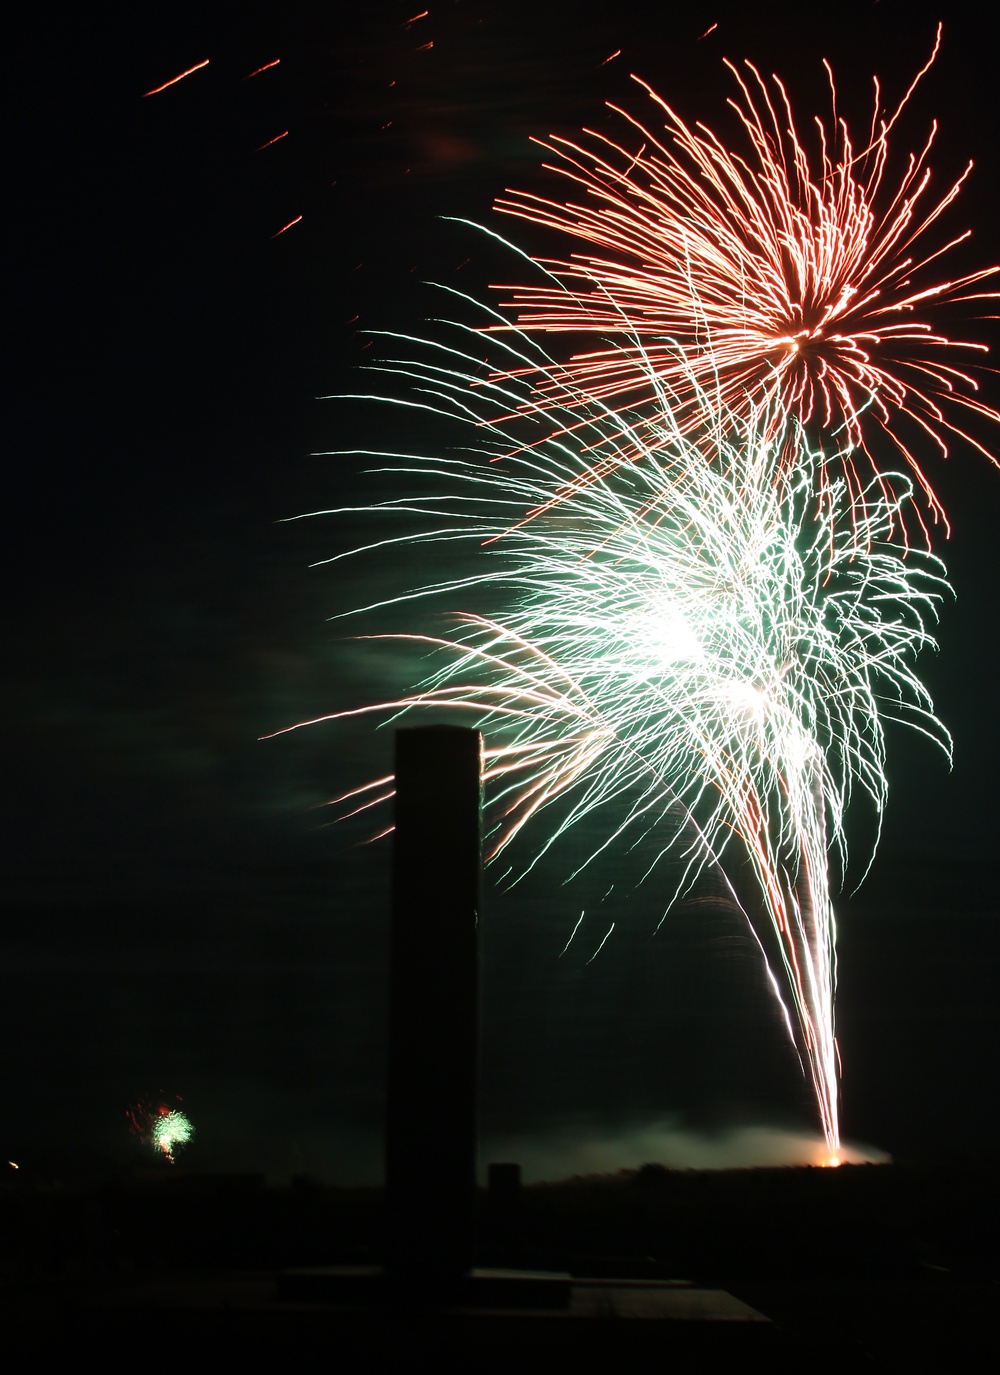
(178, 917)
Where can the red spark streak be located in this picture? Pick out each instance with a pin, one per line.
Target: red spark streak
(266, 68)
(286, 226)
(771, 279)
(174, 79)
(277, 138)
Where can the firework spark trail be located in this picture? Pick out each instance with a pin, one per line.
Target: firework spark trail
(179, 77)
(692, 650)
(795, 282)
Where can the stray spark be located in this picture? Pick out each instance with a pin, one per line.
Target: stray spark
(602, 944)
(266, 68)
(571, 935)
(174, 79)
(287, 226)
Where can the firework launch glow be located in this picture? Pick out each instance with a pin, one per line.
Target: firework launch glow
(691, 649)
(793, 274)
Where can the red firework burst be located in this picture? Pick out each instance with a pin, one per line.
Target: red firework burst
(774, 279)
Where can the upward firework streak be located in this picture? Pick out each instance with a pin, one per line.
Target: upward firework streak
(691, 649)
(794, 281)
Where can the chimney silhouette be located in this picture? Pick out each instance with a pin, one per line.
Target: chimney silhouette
(431, 1113)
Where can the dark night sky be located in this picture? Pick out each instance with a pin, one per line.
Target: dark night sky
(176, 917)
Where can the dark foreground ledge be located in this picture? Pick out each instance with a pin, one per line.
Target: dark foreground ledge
(628, 1323)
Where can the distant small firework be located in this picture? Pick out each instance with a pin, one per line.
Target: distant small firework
(795, 283)
(171, 1129)
(161, 1126)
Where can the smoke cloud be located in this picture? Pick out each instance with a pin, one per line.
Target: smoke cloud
(588, 1150)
